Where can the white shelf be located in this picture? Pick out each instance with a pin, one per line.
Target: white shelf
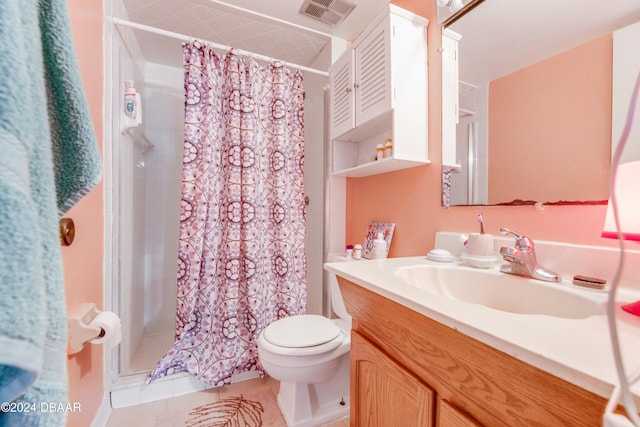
(377, 167)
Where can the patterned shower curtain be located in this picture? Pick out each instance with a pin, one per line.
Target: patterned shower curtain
(241, 262)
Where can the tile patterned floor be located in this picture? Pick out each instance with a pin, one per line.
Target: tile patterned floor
(175, 412)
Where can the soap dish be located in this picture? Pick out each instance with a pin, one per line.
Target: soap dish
(440, 255)
(478, 261)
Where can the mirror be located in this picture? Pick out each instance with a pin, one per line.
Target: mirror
(450, 11)
(535, 101)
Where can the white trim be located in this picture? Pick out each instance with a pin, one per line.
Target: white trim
(101, 417)
(103, 413)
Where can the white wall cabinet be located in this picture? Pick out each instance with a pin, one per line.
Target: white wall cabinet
(378, 90)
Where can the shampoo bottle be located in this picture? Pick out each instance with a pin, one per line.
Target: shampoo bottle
(132, 105)
(379, 247)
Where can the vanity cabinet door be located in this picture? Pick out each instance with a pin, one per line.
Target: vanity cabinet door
(450, 416)
(383, 393)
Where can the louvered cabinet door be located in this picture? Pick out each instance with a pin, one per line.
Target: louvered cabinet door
(342, 95)
(373, 74)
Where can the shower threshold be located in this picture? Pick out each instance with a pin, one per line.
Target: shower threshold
(134, 390)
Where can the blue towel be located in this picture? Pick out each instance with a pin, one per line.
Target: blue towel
(48, 160)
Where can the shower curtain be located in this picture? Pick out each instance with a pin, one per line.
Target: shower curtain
(241, 262)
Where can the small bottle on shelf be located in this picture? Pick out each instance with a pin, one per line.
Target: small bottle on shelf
(357, 251)
(388, 148)
(379, 152)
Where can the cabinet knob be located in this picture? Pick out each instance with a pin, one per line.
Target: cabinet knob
(348, 90)
(356, 85)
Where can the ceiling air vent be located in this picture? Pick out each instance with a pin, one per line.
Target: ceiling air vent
(328, 11)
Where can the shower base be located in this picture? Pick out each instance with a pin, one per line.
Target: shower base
(149, 352)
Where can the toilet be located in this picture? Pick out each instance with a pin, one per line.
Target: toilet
(309, 355)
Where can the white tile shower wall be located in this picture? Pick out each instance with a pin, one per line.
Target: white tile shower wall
(129, 191)
(164, 125)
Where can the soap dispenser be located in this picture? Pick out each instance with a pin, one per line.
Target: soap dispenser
(379, 247)
(132, 109)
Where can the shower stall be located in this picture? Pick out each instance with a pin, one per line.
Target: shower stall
(143, 200)
(147, 161)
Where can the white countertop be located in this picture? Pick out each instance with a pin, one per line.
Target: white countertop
(576, 350)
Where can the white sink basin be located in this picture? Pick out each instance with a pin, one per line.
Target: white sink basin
(505, 292)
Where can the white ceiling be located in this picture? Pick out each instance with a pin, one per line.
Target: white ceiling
(501, 36)
(243, 24)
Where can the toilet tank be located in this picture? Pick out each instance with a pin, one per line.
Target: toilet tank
(337, 303)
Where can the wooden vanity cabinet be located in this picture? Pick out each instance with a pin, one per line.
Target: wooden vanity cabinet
(383, 392)
(408, 370)
(450, 416)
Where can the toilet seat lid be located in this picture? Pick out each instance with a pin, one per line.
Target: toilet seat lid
(307, 330)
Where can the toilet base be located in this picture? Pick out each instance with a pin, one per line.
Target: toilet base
(309, 405)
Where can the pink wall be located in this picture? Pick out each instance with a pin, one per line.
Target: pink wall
(571, 94)
(411, 198)
(83, 260)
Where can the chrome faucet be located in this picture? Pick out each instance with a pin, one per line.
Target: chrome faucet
(522, 259)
